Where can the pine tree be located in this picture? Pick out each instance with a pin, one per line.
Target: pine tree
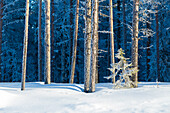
(87, 47)
(39, 42)
(94, 45)
(135, 39)
(75, 44)
(112, 37)
(1, 25)
(47, 43)
(24, 62)
(124, 70)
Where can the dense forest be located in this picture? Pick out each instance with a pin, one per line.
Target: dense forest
(67, 33)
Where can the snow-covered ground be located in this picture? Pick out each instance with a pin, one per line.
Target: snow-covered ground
(67, 98)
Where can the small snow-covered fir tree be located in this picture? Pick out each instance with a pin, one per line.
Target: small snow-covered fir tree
(124, 70)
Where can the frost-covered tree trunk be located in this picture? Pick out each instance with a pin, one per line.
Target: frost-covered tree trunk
(124, 27)
(112, 37)
(75, 44)
(1, 24)
(94, 45)
(39, 42)
(47, 43)
(157, 46)
(52, 42)
(135, 39)
(87, 47)
(25, 46)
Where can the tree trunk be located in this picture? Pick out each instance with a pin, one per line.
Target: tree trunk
(39, 42)
(148, 49)
(71, 35)
(135, 40)
(52, 43)
(87, 47)
(94, 45)
(118, 25)
(124, 28)
(75, 44)
(112, 37)
(24, 62)
(1, 24)
(157, 46)
(47, 43)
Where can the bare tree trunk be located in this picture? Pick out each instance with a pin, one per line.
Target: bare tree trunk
(124, 28)
(94, 45)
(71, 35)
(39, 42)
(24, 62)
(1, 24)
(148, 50)
(52, 43)
(87, 47)
(75, 44)
(157, 45)
(47, 44)
(135, 40)
(118, 25)
(112, 37)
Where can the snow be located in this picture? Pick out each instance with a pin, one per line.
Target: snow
(67, 98)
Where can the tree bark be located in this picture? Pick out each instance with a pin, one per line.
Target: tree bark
(75, 44)
(87, 47)
(39, 42)
(1, 25)
(112, 37)
(157, 46)
(71, 35)
(124, 27)
(52, 43)
(47, 43)
(118, 25)
(24, 62)
(135, 40)
(94, 44)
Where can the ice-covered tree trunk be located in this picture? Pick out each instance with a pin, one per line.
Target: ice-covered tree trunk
(124, 27)
(94, 45)
(74, 44)
(25, 46)
(39, 42)
(87, 47)
(1, 24)
(135, 40)
(47, 43)
(157, 46)
(112, 37)
(52, 42)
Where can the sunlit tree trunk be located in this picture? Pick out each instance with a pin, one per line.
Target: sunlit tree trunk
(87, 47)
(24, 62)
(135, 40)
(112, 37)
(1, 24)
(39, 42)
(47, 44)
(75, 44)
(94, 45)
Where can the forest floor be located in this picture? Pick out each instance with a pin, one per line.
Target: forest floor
(67, 98)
